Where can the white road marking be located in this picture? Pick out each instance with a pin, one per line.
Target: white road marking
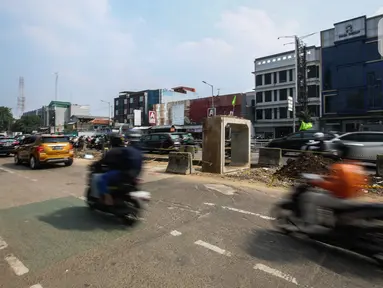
(184, 209)
(226, 190)
(209, 204)
(3, 244)
(213, 248)
(16, 265)
(36, 286)
(6, 170)
(18, 174)
(248, 213)
(175, 233)
(276, 273)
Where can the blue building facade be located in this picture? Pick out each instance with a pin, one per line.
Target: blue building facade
(352, 73)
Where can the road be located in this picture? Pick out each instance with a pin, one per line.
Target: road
(191, 236)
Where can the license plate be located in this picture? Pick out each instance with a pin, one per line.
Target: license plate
(57, 148)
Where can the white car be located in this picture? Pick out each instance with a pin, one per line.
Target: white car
(364, 146)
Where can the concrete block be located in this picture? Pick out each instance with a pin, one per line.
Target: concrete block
(379, 165)
(180, 163)
(270, 157)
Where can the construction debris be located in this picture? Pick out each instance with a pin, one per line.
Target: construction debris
(88, 154)
(305, 163)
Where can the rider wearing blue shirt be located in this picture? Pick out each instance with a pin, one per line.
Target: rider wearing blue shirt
(124, 163)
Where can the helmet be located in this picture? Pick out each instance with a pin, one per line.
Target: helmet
(318, 136)
(116, 140)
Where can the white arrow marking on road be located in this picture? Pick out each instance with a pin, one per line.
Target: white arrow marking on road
(3, 244)
(276, 273)
(16, 265)
(213, 248)
(248, 213)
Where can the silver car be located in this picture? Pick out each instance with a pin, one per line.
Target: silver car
(364, 146)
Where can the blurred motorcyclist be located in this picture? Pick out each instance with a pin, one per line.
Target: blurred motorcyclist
(346, 181)
(319, 136)
(123, 163)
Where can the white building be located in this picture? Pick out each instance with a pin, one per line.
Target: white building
(274, 82)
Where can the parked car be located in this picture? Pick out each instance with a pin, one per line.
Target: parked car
(362, 145)
(43, 149)
(7, 145)
(163, 142)
(297, 140)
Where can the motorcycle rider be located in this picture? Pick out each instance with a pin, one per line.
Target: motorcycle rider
(123, 163)
(345, 182)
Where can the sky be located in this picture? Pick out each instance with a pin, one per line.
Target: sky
(101, 47)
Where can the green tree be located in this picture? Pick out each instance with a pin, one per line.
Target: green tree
(6, 118)
(27, 124)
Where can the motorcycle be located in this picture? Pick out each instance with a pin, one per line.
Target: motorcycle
(355, 227)
(129, 201)
(316, 146)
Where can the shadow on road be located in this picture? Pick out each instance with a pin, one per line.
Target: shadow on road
(81, 218)
(21, 167)
(275, 247)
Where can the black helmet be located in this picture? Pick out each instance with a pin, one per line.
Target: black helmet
(116, 140)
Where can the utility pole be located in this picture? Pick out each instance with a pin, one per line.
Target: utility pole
(300, 73)
(56, 83)
(212, 93)
(110, 106)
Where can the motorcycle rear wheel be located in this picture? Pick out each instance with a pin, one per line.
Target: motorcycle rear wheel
(133, 216)
(281, 220)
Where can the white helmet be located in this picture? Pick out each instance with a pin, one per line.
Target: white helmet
(318, 136)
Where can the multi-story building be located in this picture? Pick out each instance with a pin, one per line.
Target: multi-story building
(128, 104)
(274, 83)
(352, 69)
(41, 112)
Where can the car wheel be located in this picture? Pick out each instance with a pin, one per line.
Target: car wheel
(69, 162)
(33, 163)
(17, 159)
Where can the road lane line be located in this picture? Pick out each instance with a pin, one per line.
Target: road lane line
(276, 273)
(248, 213)
(3, 244)
(16, 265)
(209, 204)
(18, 174)
(213, 248)
(36, 286)
(6, 170)
(175, 233)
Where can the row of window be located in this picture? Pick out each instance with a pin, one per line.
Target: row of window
(279, 59)
(284, 76)
(131, 100)
(283, 113)
(126, 111)
(282, 94)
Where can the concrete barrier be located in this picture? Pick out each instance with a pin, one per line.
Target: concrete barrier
(270, 157)
(379, 165)
(180, 163)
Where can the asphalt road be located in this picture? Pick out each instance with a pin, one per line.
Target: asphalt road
(191, 236)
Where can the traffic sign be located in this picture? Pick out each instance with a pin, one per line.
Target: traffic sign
(210, 112)
(152, 117)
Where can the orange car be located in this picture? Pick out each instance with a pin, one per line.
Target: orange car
(43, 149)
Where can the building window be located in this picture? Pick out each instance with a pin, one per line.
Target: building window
(312, 71)
(259, 114)
(268, 113)
(125, 111)
(282, 94)
(142, 109)
(131, 100)
(313, 91)
(375, 95)
(291, 75)
(282, 112)
(258, 80)
(268, 96)
(327, 81)
(116, 103)
(275, 95)
(125, 101)
(116, 112)
(141, 98)
(275, 113)
(275, 78)
(291, 116)
(314, 110)
(268, 79)
(131, 111)
(329, 104)
(282, 76)
(252, 103)
(291, 92)
(259, 97)
(355, 100)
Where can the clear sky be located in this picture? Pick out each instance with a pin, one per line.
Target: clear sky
(100, 47)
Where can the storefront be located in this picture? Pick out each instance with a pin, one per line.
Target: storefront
(352, 73)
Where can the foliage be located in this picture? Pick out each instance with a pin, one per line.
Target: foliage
(304, 116)
(27, 124)
(6, 118)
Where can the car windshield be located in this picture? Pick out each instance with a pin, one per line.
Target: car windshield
(55, 139)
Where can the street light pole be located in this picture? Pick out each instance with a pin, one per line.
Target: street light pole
(109, 105)
(212, 93)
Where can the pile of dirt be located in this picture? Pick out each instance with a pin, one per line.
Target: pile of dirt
(305, 163)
